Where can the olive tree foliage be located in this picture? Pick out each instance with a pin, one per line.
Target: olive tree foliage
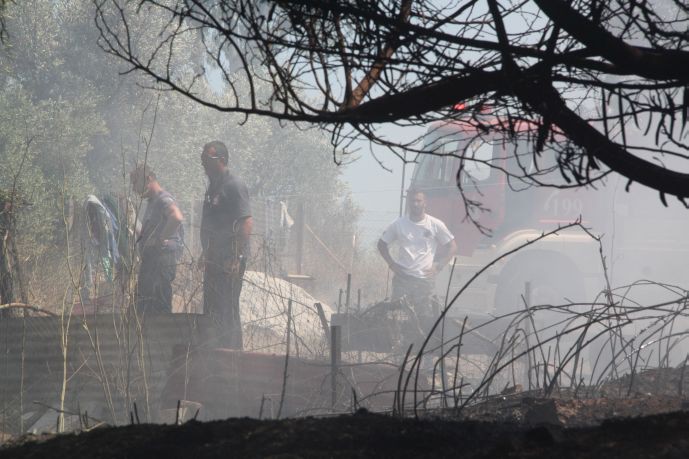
(48, 119)
(48, 110)
(3, 28)
(599, 86)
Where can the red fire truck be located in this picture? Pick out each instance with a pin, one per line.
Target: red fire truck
(641, 238)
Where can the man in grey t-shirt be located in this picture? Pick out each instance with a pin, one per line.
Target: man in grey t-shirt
(159, 243)
(425, 247)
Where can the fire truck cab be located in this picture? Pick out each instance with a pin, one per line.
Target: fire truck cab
(641, 238)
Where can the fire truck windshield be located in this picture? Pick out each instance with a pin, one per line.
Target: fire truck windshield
(522, 161)
(446, 151)
(477, 159)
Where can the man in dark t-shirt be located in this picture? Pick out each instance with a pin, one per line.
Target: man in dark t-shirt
(159, 243)
(225, 228)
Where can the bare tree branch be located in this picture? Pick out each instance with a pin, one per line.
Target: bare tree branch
(601, 86)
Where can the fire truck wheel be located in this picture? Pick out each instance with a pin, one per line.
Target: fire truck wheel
(553, 280)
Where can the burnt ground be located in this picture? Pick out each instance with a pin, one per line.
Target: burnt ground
(643, 417)
(368, 435)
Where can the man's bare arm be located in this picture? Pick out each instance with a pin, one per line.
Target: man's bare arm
(445, 254)
(244, 228)
(174, 219)
(385, 253)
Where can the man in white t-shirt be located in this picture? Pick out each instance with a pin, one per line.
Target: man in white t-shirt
(425, 247)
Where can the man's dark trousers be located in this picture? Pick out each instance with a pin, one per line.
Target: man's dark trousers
(221, 290)
(154, 286)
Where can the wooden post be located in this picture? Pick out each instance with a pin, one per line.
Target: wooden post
(300, 237)
(324, 321)
(358, 310)
(285, 374)
(348, 310)
(335, 358)
(349, 293)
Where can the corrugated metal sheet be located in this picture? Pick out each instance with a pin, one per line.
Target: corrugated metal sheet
(110, 362)
(229, 383)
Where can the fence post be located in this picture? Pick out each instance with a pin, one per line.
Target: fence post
(324, 321)
(335, 358)
(348, 298)
(300, 237)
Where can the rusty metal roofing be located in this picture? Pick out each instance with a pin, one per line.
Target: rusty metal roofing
(112, 361)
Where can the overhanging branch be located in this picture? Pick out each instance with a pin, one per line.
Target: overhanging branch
(547, 102)
(663, 64)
